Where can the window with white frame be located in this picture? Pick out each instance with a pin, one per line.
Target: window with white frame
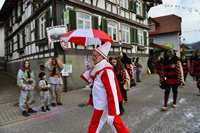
(124, 3)
(112, 30)
(152, 28)
(28, 33)
(125, 34)
(83, 21)
(139, 8)
(140, 37)
(42, 26)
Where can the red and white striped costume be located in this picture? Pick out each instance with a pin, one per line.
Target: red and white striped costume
(105, 98)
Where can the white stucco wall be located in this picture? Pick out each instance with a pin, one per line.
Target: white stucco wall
(169, 38)
(2, 47)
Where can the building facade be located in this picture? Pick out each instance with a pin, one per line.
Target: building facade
(165, 30)
(25, 23)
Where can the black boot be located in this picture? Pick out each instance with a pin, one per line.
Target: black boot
(59, 103)
(53, 104)
(121, 108)
(25, 113)
(47, 108)
(43, 109)
(30, 110)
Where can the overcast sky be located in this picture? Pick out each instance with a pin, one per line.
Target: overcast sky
(190, 18)
(1, 3)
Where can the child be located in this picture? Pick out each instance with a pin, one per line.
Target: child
(44, 92)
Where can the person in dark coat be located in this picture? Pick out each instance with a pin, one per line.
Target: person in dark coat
(172, 76)
(119, 70)
(129, 67)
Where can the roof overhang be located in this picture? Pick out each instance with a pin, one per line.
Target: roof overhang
(160, 46)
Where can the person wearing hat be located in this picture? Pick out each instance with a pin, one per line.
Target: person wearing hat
(44, 92)
(195, 69)
(172, 75)
(26, 83)
(105, 92)
(55, 80)
(129, 73)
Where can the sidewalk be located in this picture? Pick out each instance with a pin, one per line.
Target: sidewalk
(9, 112)
(9, 94)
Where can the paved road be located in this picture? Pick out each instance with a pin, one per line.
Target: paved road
(142, 114)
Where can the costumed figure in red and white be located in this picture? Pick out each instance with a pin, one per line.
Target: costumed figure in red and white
(105, 93)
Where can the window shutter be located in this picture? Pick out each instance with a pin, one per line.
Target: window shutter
(132, 35)
(72, 19)
(16, 13)
(144, 9)
(21, 7)
(18, 41)
(134, 6)
(104, 25)
(135, 36)
(48, 20)
(95, 22)
(23, 35)
(130, 5)
(145, 38)
(36, 29)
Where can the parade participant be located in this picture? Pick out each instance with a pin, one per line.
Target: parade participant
(44, 92)
(26, 83)
(186, 66)
(55, 80)
(195, 71)
(172, 76)
(120, 72)
(150, 64)
(159, 65)
(105, 92)
(130, 76)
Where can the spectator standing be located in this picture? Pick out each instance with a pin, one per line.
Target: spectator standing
(44, 92)
(55, 66)
(138, 70)
(26, 83)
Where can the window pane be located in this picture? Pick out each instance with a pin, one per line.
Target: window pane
(87, 25)
(83, 20)
(109, 31)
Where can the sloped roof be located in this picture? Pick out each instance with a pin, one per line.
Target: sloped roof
(167, 24)
(159, 46)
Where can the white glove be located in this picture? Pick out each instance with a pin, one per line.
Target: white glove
(110, 119)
